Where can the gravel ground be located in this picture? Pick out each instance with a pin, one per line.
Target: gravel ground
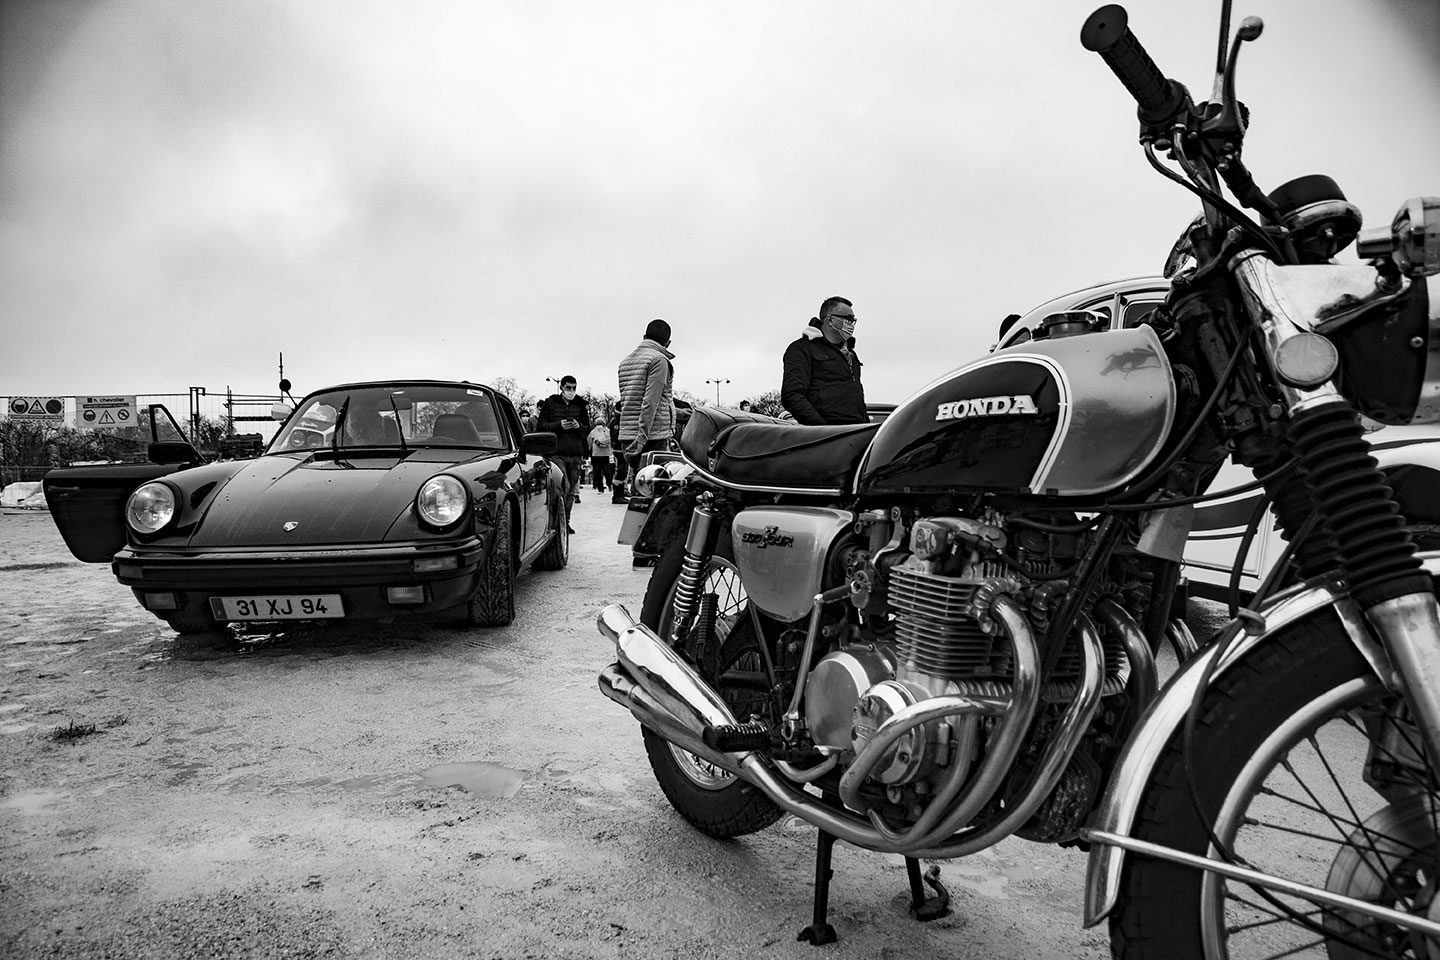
(412, 789)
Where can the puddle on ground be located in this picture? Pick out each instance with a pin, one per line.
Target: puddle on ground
(480, 778)
(31, 801)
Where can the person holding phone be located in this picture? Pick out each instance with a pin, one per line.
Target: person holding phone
(568, 417)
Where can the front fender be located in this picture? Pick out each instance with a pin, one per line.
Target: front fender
(1118, 810)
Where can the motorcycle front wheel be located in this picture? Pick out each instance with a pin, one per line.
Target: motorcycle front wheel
(713, 800)
(1278, 764)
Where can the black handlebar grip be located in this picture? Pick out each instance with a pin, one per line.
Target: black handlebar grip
(1107, 32)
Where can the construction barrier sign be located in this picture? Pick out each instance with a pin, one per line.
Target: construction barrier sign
(37, 409)
(105, 413)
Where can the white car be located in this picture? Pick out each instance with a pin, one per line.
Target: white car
(1408, 455)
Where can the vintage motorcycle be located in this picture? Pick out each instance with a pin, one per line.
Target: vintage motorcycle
(930, 634)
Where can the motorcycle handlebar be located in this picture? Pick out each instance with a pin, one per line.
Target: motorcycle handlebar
(1107, 32)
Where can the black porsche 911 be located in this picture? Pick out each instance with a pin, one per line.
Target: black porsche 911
(373, 500)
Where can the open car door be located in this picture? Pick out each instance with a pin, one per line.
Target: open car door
(87, 501)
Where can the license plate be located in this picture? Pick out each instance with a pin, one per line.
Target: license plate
(318, 606)
(635, 515)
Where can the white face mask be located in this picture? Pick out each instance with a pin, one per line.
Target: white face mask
(569, 392)
(843, 326)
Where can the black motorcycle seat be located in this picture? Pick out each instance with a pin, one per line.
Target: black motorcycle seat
(753, 450)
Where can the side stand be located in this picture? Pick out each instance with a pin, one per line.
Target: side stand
(820, 932)
(920, 908)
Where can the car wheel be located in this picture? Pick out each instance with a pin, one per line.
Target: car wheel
(493, 602)
(557, 552)
(188, 626)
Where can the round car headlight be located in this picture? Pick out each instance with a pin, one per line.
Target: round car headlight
(150, 507)
(645, 477)
(441, 501)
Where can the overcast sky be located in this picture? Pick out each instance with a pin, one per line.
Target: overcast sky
(473, 190)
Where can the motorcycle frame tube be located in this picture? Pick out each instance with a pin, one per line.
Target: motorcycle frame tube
(817, 605)
(1120, 805)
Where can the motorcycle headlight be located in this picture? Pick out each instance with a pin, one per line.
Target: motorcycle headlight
(644, 481)
(150, 507)
(441, 501)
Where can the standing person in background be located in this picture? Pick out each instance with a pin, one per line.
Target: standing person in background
(647, 390)
(527, 420)
(821, 382)
(621, 465)
(568, 417)
(744, 406)
(601, 464)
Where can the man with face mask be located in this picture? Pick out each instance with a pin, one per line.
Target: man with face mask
(821, 383)
(568, 417)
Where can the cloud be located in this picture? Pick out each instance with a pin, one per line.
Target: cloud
(484, 190)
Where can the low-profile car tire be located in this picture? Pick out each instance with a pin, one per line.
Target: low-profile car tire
(557, 552)
(493, 602)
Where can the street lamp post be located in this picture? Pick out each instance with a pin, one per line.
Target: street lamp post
(717, 389)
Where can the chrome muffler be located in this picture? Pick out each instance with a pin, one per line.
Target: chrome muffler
(666, 679)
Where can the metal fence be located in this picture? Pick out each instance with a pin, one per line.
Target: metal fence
(211, 419)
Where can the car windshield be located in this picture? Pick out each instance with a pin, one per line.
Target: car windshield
(393, 415)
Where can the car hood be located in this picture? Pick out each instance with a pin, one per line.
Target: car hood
(321, 500)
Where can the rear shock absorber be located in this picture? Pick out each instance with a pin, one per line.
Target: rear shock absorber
(1359, 533)
(687, 584)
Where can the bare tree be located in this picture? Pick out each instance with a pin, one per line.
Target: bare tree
(518, 395)
(767, 403)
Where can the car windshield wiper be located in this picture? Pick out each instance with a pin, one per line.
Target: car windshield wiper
(398, 430)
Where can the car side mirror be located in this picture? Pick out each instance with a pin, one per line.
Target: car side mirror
(172, 451)
(540, 444)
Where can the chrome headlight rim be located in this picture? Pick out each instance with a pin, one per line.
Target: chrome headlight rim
(442, 501)
(643, 483)
(150, 508)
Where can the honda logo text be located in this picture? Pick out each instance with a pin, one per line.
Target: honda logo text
(987, 407)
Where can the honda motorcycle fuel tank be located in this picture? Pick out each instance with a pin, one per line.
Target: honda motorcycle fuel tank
(1074, 416)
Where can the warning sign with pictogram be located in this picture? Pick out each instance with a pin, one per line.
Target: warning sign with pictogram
(105, 413)
(37, 409)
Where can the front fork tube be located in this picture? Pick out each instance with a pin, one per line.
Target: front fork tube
(687, 585)
(1409, 628)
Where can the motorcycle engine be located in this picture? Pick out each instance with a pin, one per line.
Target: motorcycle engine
(937, 641)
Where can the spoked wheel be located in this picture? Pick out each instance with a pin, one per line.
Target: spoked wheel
(1308, 770)
(710, 798)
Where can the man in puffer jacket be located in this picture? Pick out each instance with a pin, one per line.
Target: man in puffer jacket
(647, 418)
(821, 383)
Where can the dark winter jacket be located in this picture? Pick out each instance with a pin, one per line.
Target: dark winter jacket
(556, 408)
(820, 384)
